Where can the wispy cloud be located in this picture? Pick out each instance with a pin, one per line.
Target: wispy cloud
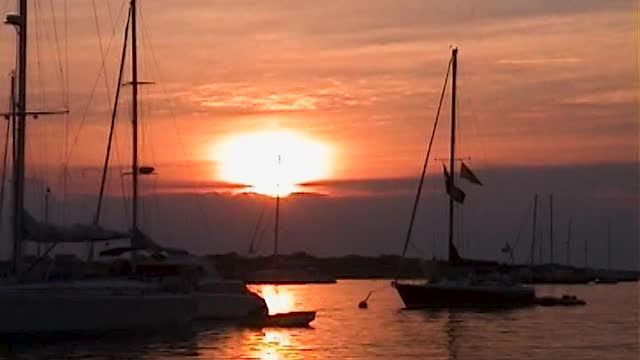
(541, 61)
(617, 96)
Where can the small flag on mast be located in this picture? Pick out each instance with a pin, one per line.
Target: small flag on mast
(466, 173)
(454, 192)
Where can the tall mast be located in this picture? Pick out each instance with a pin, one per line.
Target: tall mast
(550, 228)
(533, 235)
(134, 122)
(454, 67)
(19, 167)
(586, 253)
(609, 246)
(569, 243)
(277, 222)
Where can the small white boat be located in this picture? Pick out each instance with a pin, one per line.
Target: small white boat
(290, 319)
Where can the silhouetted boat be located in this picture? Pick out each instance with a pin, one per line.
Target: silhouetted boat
(85, 306)
(215, 298)
(280, 274)
(290, 319)
(605, 281)
(459, 282)
(565, 300)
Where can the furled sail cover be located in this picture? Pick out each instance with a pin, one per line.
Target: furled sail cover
(140, 240)
(40, 232)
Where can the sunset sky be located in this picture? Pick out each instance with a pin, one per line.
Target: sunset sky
(541, 84)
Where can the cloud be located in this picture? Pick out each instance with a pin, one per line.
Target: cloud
(325, 225)
(540, 61)
(606, 97)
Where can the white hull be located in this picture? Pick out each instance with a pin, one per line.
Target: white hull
(50, 309)
(227, 306)
(219, 299)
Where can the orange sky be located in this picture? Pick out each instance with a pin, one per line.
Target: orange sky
(542, 82)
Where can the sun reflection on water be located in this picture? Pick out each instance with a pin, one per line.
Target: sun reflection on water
(273, 344)
(278, 299)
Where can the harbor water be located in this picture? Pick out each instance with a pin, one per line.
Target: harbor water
(606, 328)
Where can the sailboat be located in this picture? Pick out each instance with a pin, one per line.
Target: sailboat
(551, 273)
(84, 306)
(607, 277)
(280, 273)
(460, 285)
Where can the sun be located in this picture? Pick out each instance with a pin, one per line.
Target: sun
(272, 162)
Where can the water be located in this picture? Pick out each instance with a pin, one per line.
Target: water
(606, 328)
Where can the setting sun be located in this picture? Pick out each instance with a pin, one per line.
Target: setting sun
(272, 162)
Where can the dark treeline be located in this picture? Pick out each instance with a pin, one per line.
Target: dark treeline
(232, 265)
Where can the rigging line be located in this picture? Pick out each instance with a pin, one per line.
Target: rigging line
(57, 42)
(414, 210)
(252, 244)
(523, 222)
(41, 126)
(38, 57)
(426, 161)
(66, 55)
(89, 101)
(102, 54)
(175, 125)
(67, 118)
(114, 114)
(6, 149)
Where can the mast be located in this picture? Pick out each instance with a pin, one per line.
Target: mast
(46, 215)
(569, 243)
(533, 233)
(609, 246)
(19, 114)
(586, 253)
(134, 124)
(10, 117)
(454, 67)
(19, 166)
(277, 222)
(550, 228)
(540, 258)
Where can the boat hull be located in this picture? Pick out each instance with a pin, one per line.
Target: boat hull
(64, 311)
(291, 319)
(416, 296)
(228, 306)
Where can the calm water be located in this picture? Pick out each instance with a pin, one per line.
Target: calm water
(606, 328)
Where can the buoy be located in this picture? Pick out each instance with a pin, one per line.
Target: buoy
(363, 304)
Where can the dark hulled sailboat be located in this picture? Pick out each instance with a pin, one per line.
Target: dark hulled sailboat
(461, 281)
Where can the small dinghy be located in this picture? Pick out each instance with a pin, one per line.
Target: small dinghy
(290, 319)
(565, 300)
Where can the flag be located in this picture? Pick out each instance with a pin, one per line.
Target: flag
(455, 193)
(466, 173)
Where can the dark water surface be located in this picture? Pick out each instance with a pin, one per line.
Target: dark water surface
(606, 328)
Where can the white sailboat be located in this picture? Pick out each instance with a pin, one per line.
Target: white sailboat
(96, 306)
